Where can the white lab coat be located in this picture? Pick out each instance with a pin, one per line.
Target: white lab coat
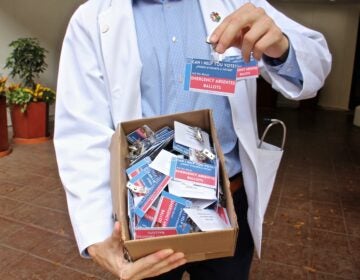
(99, 86)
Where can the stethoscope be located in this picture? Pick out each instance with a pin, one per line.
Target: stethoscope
(273, 122)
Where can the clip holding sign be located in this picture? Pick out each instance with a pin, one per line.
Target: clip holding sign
(136, 189)
(215, 55)
(197, 134)
(208, 154)
(201, 156)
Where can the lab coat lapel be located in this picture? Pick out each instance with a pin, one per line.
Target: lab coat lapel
(241, 105)
(121, 60)
(244, 124)
(259, 165)
(208, 7)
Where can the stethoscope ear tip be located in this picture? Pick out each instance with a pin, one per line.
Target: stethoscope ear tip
(267, 121)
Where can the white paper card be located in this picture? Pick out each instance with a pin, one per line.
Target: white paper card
(185, 135)
(206, 219)
(191, 191)
(200, 203)
(162, 162)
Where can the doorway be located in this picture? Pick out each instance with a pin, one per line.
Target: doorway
(355, 85)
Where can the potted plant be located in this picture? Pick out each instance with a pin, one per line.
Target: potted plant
(4, 137)
(28, 101)
(30, 112)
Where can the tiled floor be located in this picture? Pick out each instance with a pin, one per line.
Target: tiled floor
(312, 227)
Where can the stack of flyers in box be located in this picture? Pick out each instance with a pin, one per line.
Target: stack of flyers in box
(145, 142)
(173, 185)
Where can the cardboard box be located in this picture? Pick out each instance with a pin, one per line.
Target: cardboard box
(196, 246)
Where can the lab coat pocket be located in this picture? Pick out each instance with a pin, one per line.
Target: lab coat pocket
(269, 157)
(267, 161)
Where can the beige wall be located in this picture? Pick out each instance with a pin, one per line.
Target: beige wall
(339, 24)
(47, 19)
(44, 19)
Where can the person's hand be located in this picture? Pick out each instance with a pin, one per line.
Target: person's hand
(252, 30)
(109, 255)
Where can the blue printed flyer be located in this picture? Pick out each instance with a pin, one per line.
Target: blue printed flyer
(147, 178)
(169, 210)
(148, 219)
(164, 134)
(245, 70)
(142, 233)
(202, 174)
(135, 169)
(208, 76)
(139, 134)
(150, 197)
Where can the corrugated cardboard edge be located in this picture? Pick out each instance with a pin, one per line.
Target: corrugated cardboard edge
(226, 183)
(118, 175)
(140, 248)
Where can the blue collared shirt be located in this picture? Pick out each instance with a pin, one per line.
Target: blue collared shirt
(169, 32)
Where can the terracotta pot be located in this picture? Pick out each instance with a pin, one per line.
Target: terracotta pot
(4, 137)
(33, 123)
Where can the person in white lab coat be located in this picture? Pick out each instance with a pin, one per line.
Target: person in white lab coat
(107, 67)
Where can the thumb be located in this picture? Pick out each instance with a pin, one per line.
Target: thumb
(116, 234)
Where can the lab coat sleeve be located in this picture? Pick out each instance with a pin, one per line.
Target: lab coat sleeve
(83, 128)
(312, 54)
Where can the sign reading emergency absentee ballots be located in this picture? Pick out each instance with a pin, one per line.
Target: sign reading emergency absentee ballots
(209, 76)
(193, 172)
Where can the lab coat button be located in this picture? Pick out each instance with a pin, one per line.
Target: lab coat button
(105, 28)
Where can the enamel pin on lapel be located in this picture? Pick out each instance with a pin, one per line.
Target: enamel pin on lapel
(215, 17)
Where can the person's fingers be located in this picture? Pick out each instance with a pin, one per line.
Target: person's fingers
(170, 267)
(231, 34)
(230, 31)
(264, 45)
(251, 38)
(116, 234)
(252, 30)
(133, 269)
(215, 36)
